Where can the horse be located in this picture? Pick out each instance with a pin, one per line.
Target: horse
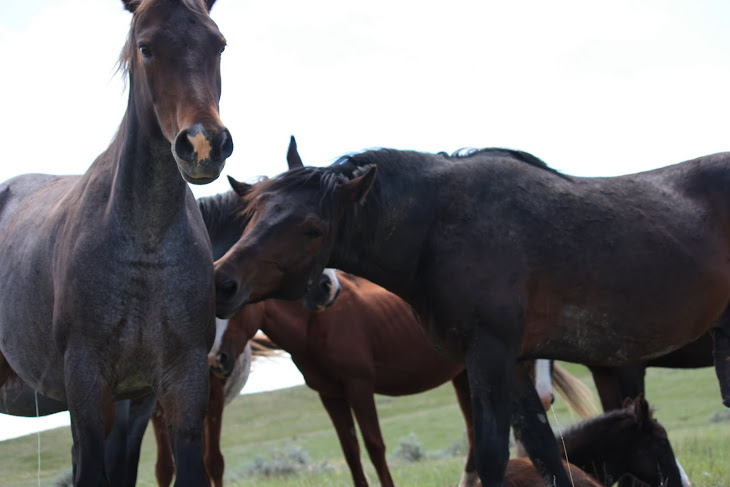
(107, 277)
(626, 441)
(502, 257)
(367, 342)
(224, 226)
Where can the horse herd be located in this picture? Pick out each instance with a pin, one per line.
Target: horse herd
(109, 288)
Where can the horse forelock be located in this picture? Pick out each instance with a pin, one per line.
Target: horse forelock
(130, 46)
(318, 178)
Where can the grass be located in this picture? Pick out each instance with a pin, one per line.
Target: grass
(291, 426)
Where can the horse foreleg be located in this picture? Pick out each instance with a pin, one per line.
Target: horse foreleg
(490, 370)
(341, 416)
(721, 353)
(469, 478)
(533, 430)
(86, 395)
(362, 401)
(185, 399)
(214, 462)
(164, 467)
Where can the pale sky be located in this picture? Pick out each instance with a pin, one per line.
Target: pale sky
(593, 88)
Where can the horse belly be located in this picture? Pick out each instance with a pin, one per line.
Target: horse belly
(596, 337)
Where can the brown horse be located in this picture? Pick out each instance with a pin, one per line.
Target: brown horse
(503, 258)
(627, 441)
(107, 278)
(368, 342)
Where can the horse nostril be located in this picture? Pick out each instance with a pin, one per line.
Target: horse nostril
(184, 147)
(224, 142)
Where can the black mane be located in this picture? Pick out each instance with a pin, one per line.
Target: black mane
(219, 209)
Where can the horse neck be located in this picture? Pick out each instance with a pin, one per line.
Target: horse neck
(388, 240)
(147, 190)
(286, 323)
(599, 447)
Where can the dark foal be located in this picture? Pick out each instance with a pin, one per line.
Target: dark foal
(503, 258)
(626, 441)
(106, 278)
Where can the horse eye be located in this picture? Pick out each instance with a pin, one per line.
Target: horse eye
(313, 232)
(145, 50)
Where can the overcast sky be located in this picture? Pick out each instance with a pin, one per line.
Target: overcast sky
(593, 88)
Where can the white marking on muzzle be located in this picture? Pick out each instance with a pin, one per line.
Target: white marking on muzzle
(334, 283)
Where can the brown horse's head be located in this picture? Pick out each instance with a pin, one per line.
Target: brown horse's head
(287, 244)
(173, 59)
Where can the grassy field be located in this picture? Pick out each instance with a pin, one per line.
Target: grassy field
(288, 430)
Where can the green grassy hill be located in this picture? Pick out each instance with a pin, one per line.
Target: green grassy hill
(289, 430)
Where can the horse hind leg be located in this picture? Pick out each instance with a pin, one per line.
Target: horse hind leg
(4, 370)
(363, 405)
(214, 461)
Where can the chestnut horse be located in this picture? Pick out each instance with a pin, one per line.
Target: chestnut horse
(503, 258)
(626, 441)
(107, 278)
(368, 342)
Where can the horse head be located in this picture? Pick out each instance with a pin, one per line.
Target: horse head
(175, 82)
(288, 241)
(653, 460)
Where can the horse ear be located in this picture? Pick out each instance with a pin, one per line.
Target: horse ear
(292, 155)
(628, 403)
(642, 413)
(209, 4)
(131, 5)
(240, 188)
(354, 191)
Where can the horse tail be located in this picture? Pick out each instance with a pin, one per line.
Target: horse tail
(263, 346)
(574, 392)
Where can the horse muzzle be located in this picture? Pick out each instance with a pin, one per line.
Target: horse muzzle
(201, 154)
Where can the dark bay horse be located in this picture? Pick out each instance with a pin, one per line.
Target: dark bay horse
(503, 258)
(626, 441)
(367, 342)
(107, 278)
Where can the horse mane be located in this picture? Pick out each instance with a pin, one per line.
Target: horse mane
(219, 208)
